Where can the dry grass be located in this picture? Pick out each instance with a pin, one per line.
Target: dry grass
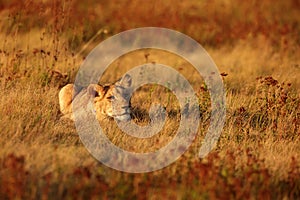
(258, 152)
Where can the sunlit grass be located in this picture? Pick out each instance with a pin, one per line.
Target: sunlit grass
(257, 155)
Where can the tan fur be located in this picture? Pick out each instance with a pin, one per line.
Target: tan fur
(103, 99)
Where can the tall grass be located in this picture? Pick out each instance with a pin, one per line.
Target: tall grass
(257, 155)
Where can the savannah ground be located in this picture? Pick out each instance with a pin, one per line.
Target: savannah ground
(256, 48)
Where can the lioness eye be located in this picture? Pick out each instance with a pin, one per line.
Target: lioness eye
(111, 97)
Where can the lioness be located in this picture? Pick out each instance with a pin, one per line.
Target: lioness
(107, 101)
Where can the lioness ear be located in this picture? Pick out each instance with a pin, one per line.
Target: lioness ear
(125, 81)
(95, 90)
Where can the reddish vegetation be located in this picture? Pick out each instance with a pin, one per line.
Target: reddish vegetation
(263, 119)
(208, 179)
(209, 22)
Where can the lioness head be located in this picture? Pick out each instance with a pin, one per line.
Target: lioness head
(112, 100)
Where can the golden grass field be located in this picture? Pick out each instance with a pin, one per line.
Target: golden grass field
(256, 48)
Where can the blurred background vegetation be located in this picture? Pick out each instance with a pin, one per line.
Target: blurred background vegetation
(254, 43)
